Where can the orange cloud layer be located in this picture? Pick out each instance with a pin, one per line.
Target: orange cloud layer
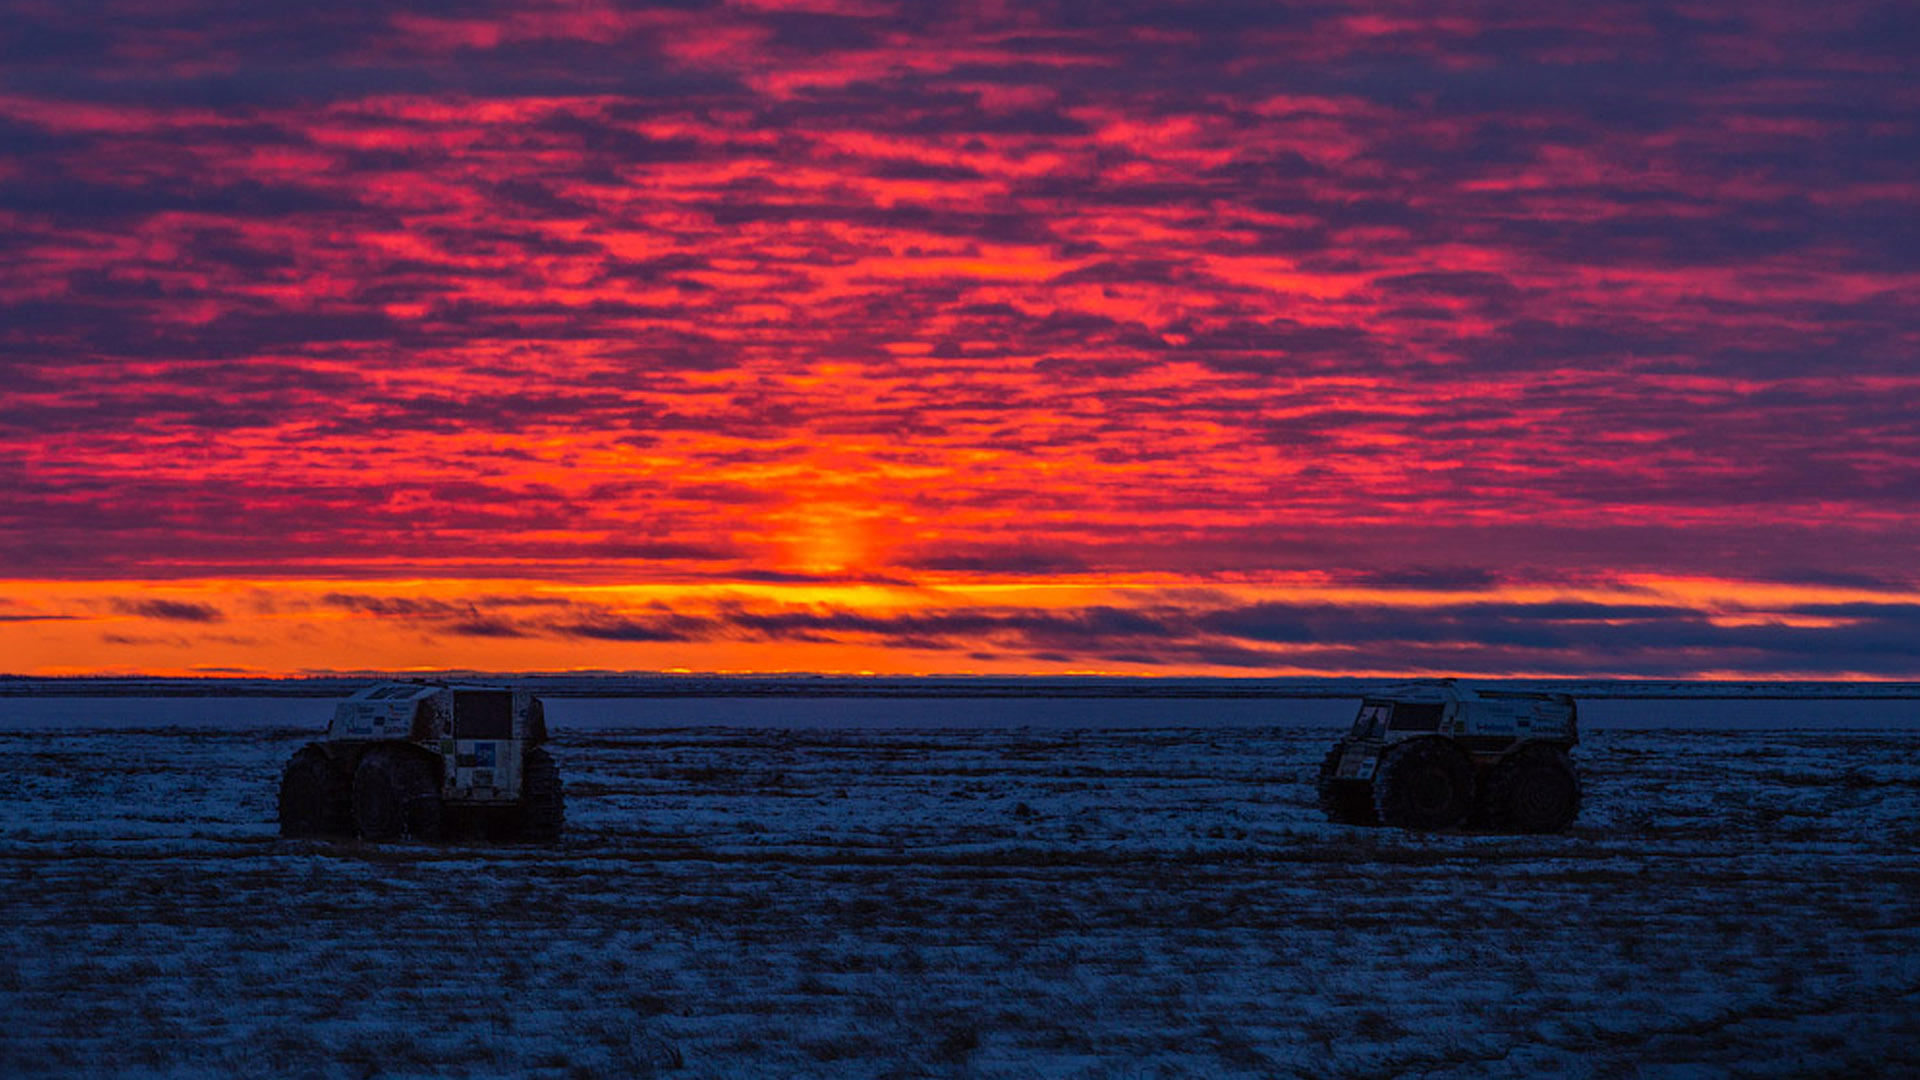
(1658, 627)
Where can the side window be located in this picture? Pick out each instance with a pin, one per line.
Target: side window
(1417, 717)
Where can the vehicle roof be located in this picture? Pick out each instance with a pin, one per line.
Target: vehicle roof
(1449, 690)
(404, 690)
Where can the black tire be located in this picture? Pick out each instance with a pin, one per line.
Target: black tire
(543, 806)
(1423, 784)
(316, 795)
(396, 794)
(1535, 790)
(540, 815)
(1346, 802)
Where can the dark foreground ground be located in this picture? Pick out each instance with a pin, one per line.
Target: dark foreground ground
(992, 903)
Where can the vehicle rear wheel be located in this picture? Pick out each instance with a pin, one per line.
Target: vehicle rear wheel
(396, 794)
(1534, 791)
(543, 811)
(316, 795)
(1346, 802)
(1423, 784)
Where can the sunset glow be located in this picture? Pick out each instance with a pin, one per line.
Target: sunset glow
(862, 336)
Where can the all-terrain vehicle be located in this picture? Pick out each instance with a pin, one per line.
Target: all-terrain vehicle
(419, 759)
(1435, 755)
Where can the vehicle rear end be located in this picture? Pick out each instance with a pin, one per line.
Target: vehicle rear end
(498, 772)
(485, 744)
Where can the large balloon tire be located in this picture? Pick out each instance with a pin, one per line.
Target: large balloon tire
(1423, 784)
(1345, 801)
(1535, 790)
(396, 795)
(316, 795)
(543, 810)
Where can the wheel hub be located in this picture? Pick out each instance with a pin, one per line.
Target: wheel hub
(1433, 792)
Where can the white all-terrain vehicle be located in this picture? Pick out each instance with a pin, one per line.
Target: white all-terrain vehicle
(419, 759)
(1436, 755)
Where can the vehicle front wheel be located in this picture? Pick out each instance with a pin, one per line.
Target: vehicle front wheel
(1424, 784)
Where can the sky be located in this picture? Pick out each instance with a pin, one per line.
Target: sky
(835, 335)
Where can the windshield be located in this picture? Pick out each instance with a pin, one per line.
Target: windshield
(1372, 720)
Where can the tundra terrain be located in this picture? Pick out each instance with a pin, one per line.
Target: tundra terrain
(987, 901)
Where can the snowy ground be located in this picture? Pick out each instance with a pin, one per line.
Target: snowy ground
(986, 900)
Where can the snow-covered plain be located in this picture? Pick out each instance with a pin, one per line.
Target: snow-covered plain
(978, 888)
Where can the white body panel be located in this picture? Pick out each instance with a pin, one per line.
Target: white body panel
(1467, 711)
(480, 745)
(385, 711)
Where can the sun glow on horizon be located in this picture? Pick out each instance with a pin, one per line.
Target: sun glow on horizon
(999, 627)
